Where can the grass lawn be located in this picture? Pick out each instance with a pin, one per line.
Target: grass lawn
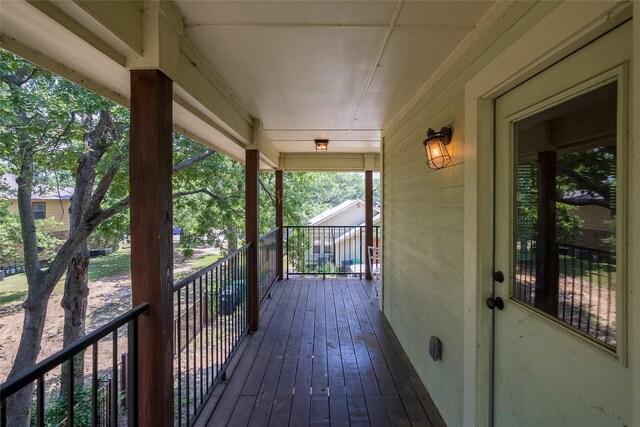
(199, 263)
(105, 266)
(13, 289)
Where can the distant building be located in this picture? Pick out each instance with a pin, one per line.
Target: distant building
(342, 243)
(46, 203)
(597, 220)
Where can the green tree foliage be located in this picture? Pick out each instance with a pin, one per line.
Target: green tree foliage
(10, 252)
(306, 194)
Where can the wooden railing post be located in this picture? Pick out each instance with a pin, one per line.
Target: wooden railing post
(150, 168)
(368, 220)
(252, 169)
(279, 223)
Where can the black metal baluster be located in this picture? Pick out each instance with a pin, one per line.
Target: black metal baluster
(179, 351)
(201, 335)
(573, 284)
(195, 348)
(237, 283)
(114, 381)
(207, 324)
(564, 289)
(40, 402)
(581, 294)
(186, 346)
(227, 325)
(218, 313)
(598, 265)
(590, 285)
(214, 324)
(94, 384)
(70, 401)
(132, 381)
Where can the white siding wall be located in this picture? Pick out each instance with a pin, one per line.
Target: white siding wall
(352, 216)
(424, 217)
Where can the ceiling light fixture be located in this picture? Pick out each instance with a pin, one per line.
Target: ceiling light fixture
(435, 147)
(321, 144)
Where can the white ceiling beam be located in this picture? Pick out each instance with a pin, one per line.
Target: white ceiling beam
(268, 154)
(47, 62)
(435, 27)
(329, 162)
(122, 18)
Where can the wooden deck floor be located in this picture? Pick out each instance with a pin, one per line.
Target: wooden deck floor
(324, 355)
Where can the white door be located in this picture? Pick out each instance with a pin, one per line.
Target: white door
(560, 349)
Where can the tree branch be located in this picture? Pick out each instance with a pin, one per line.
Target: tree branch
(200, 190)
(266, 190)
(587, 183)
(22, 76)
(190, 161)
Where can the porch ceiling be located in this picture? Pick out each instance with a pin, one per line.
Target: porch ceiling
(334, 69)
(340, 70)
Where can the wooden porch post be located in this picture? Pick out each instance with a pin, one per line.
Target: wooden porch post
(547, 263)
(252, 169)
(279, 223)
(368, 219)
(150, 166)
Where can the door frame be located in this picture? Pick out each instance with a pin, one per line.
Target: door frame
(564, 30)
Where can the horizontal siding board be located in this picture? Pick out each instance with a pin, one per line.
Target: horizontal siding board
(452, 175)
(449, 217)
(448, 196)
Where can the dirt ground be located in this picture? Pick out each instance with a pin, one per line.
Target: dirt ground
(108, 298)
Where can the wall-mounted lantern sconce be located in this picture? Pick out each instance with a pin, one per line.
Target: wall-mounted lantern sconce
(435, 147)
(321, 144)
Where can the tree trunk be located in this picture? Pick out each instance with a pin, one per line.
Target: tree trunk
(232, 238)
(76, 289)
(38, 291)
(74, 302)
(35, 313)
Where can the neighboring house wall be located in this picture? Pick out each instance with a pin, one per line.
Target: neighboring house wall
(58, 209)
(351, 246)
(423, 224)
(350, 216)
(596, 226)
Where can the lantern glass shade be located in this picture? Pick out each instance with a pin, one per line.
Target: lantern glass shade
(437, 154)
(435, 147)
(321, 144)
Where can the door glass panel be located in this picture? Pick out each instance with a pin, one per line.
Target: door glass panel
(565, 228)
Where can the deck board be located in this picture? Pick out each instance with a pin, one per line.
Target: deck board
(324, 356)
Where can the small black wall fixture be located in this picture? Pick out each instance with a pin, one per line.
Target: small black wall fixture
(435, 147)
(321, 144)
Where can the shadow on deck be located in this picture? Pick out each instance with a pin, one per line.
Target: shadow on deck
(324, 355)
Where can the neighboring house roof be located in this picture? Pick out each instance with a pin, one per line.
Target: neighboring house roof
(376, 219)
(9, 190)
(323, 216)
(583, 196)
